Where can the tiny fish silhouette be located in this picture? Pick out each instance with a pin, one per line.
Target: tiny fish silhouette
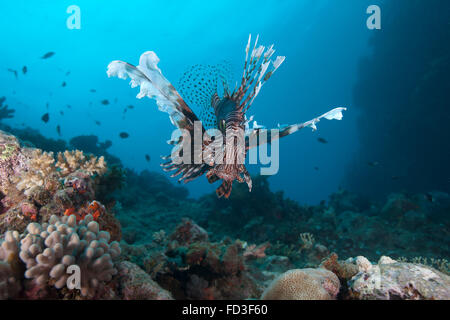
(105, 102)
(124, 135)
(97, 122)
(322, 140)
(24, 69)
(63, 84)
(48, 55)
(92, 90)
(147, 157)
(58, 129)
(45, 117)
(67, 73)
(13, 71)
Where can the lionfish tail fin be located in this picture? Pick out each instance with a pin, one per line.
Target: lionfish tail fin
(224, 190)
(258, 68)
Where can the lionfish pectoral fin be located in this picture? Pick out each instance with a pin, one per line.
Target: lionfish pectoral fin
(224, 190)
(154, 85)
(254, 135)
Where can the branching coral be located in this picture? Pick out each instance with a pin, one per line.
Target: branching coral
(307, 240)
(70, 161)
(48, 249)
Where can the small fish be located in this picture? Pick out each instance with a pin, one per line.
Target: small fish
(98, 122)
(48, 55)
(105, 102)
(13, 71)
(92, 90)
(67, 73)
(130, 107)
(45, 117)
(125, 110)
(69, 106)
(373, 163)
(124, 135)
(147, 157)
(61, 112)
(63, 84)
(316, 168)
(58, 129)
(47, 105)
(322, 140)
(24, 70)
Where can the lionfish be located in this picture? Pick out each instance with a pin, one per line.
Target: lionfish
(225, 112)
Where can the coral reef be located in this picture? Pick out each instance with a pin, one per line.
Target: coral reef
(392, 280)
(34, 186)
(73, 209)
(37, 263)
(49, 249)
(136, 284)
(192, 267)
(71, 161)
(408, 225)
(9, 266)
(303, 284)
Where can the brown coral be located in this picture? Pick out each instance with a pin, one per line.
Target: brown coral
(71, 161)
(303, 284)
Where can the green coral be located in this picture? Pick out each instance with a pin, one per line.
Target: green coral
(7, 151)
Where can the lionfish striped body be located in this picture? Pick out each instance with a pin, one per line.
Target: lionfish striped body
(225, 113)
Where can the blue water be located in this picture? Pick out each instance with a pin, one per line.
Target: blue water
(322, 40)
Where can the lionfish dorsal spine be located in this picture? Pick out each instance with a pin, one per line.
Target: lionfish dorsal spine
(255, 73)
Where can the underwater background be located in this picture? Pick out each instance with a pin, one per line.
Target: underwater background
(376, 183)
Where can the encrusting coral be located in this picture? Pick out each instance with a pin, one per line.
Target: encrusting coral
(48, 249)
(390, 280)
